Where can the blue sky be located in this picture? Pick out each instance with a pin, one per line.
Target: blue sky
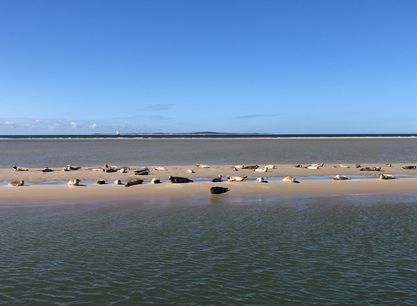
(239, 66)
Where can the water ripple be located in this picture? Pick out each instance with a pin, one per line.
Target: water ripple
(345, 250)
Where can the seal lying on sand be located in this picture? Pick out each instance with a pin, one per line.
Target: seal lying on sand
(47, 170)
(161, 168)
(261, 180)
(290, 179)
(202, 166)
(101, 182)
(218, 190)
(386, 177)
(340, 177)
(16, 168)
(250, 167)
(218, 179)
(314, 166)
(190, 171)
(370, 169)
(133, 182)
(179, 179)
(74, 182)
(409, 167)
(16, 183)
(117, 182)
(236, 178)
(155, 181)
(143, 171)
(264, 169)
(71, 168)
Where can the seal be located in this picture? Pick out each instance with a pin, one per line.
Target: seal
(133, 182)
(179, 179)
(236, 178)
(16, 183)
(261, 180)
(143, 171)
(218, 179)
(340, 177)
(47, 170)
(190, 171)
(218, 190)
(250, 167)
(16, 168)
(117, 182)
(409, 167)
(202, 166)
(290, 179)
(71, 168)
(101, 182)
(159, 168)
(155, 181)
(264, 169)
(370, 169)
(74, 182)
(386, 177)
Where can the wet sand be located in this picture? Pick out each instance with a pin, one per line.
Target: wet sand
(61, 192)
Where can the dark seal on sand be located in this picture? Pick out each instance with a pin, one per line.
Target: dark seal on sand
(218, 190)
(133, 182)
(179, 179)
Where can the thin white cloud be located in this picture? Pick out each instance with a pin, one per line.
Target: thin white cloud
(157, 107)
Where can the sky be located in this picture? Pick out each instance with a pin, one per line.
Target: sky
(295, 66)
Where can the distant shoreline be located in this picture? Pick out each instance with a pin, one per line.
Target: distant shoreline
(206, 136)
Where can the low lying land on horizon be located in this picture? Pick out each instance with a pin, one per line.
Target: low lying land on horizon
(206, 135)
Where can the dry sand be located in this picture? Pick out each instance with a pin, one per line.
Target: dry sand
(59, 193)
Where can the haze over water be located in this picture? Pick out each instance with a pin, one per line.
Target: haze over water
(88, 152)
(251, 250)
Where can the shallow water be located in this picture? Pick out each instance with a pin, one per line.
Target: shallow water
(58, 153)
(220, 250)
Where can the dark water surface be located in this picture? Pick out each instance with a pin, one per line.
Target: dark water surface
(92, 152)
(292, 251)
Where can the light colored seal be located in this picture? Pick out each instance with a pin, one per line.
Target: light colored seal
(289, 179)
(236, 178)
(202, 166)
(386, 177)
(16, 183)
(159, 168)
(74, 182)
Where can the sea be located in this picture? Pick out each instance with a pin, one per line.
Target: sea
(300, 249)
(86, 150)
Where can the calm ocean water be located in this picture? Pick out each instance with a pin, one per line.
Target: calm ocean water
(53, 152)
(293, 251)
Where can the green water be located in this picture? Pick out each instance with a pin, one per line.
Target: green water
(289, 251)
